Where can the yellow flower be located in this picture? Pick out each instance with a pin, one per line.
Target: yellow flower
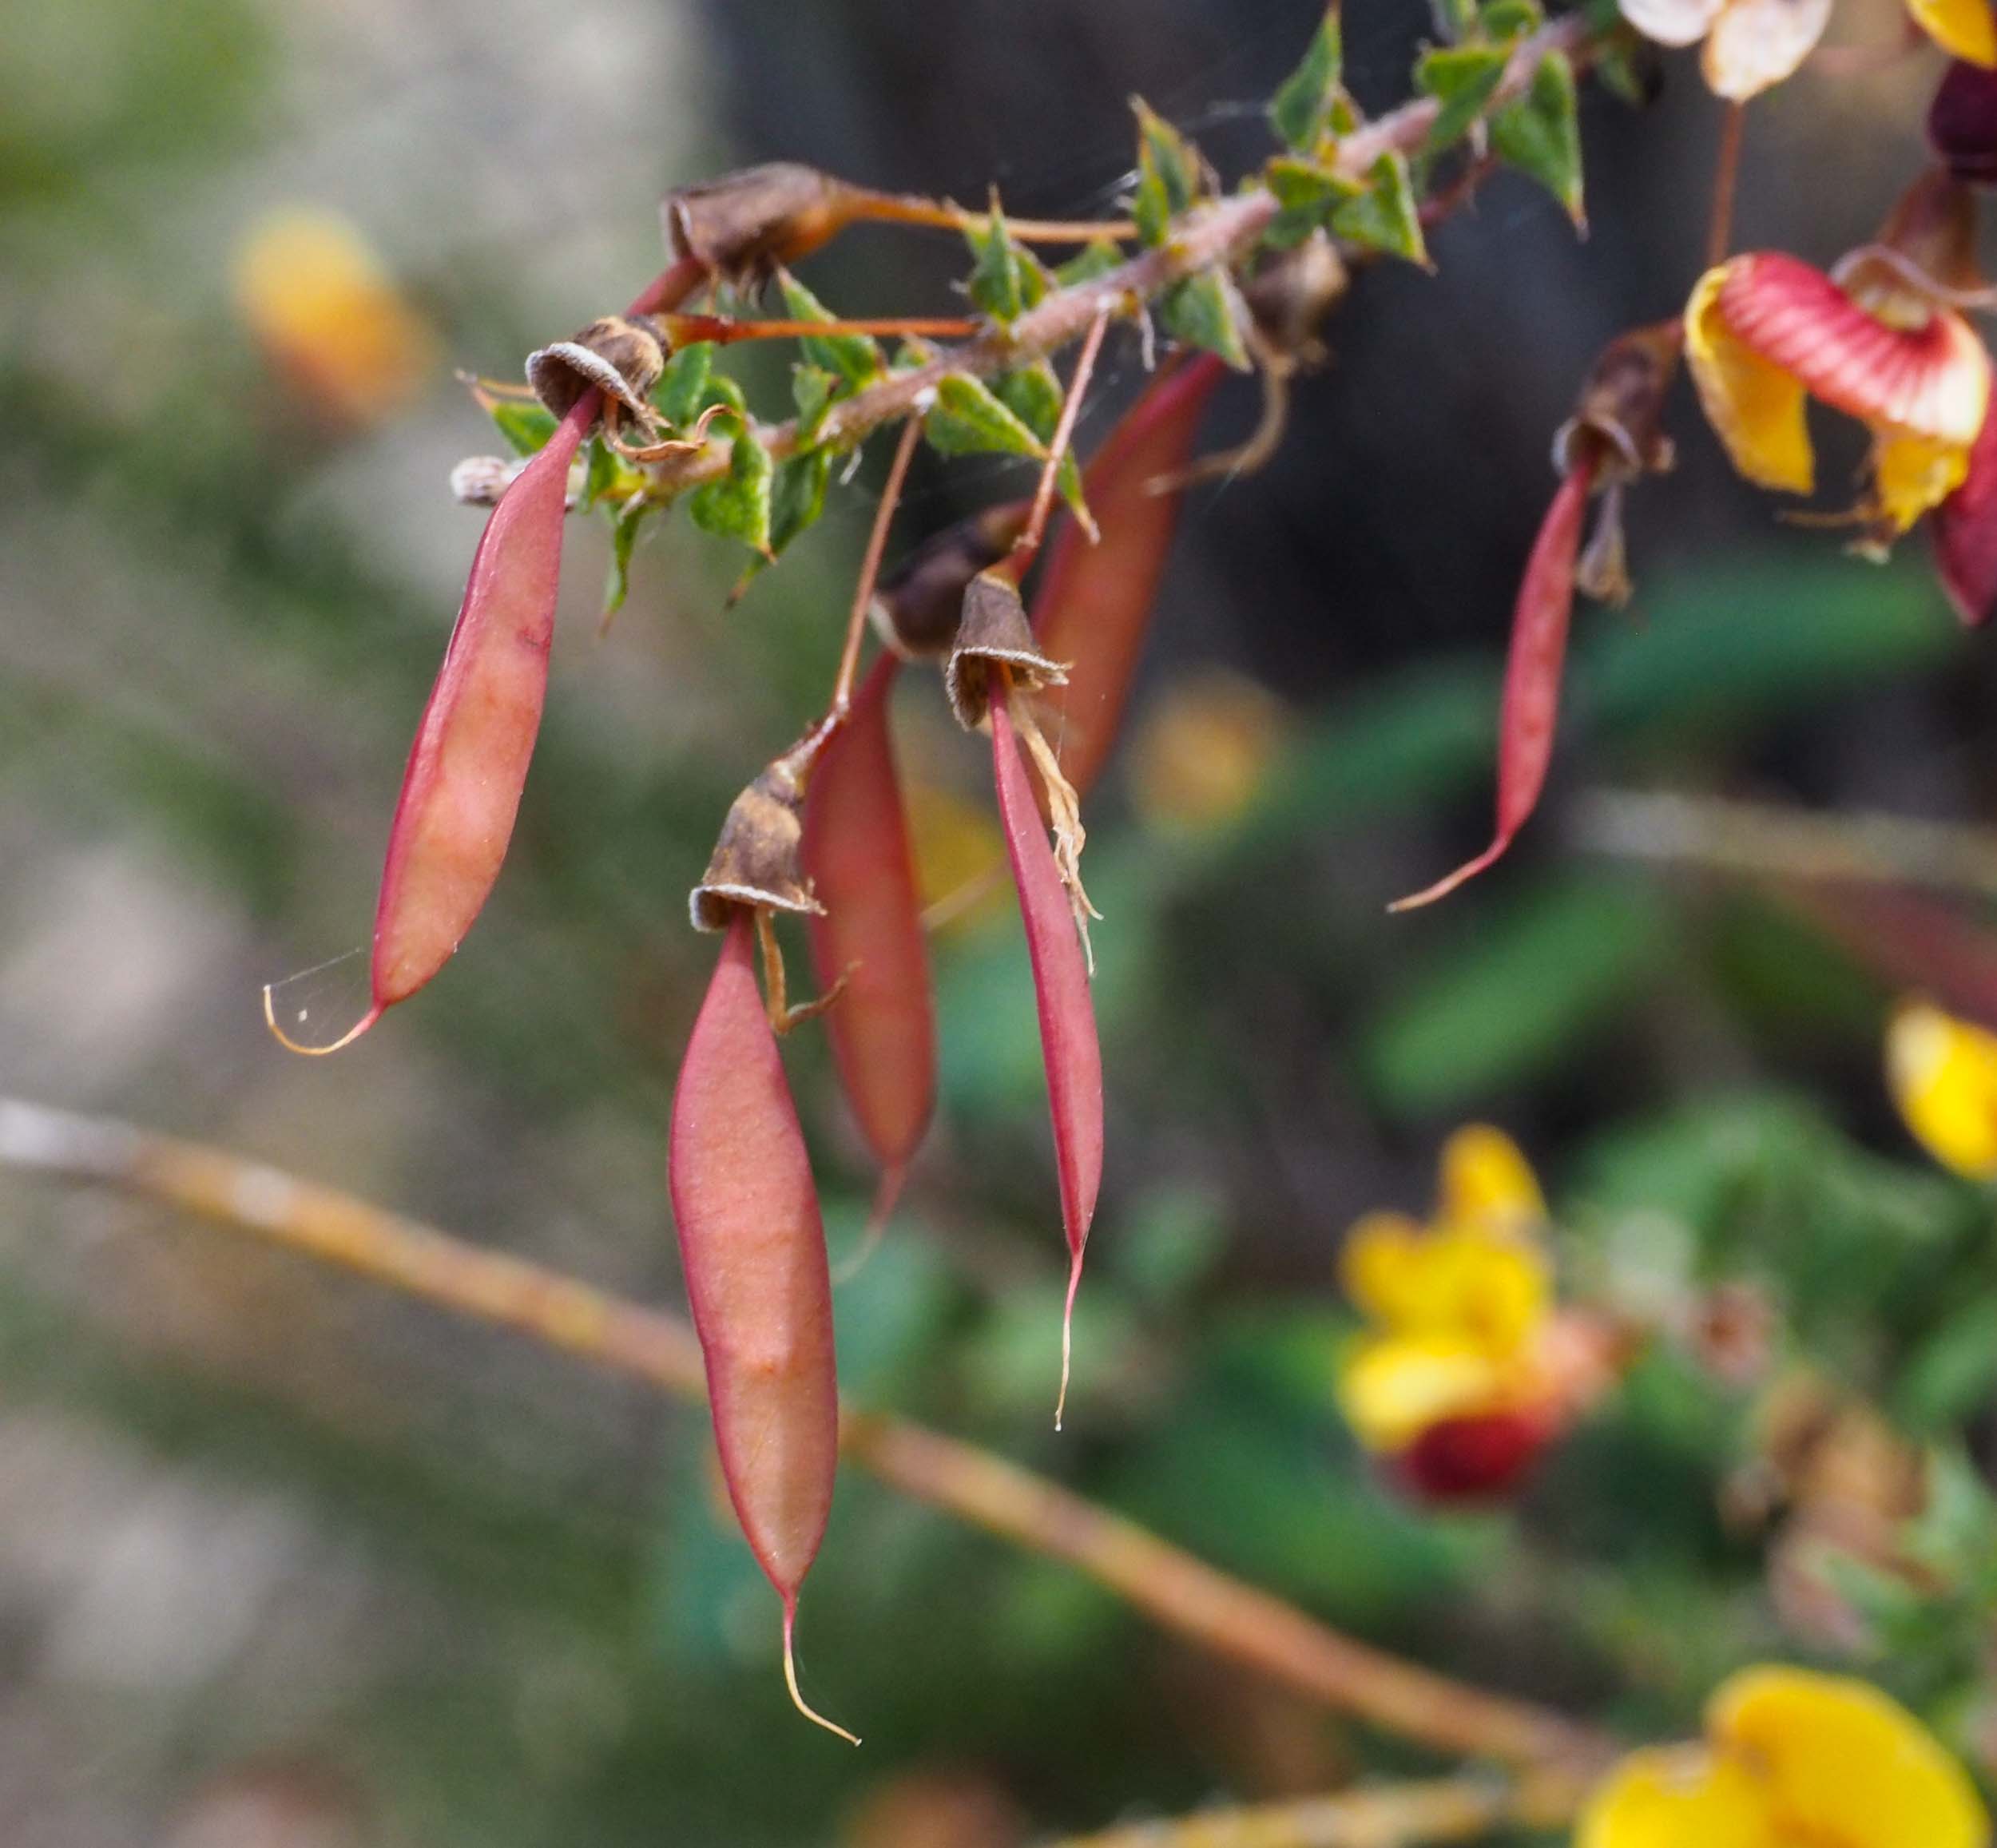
(1764, 332)
(1205, 750)
(1753, 44)
(327, 315)
(1791, 1760)
(1458, 1309)
(1942, 1073)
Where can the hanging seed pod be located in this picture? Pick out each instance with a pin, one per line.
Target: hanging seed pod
(1965, 534)
(468, 766)
(1093, 604)
(1068, 1045)
(621, 358)
(757, 860)
(1613, 438)
(753, 1250)
(868, 936)
(993, 633)
(918, 607)
(1962, 123)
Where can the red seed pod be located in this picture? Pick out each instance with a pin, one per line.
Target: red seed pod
(1094, 601)
(753, 1250)
(461, 790)
(1962, 123)
(1965, 532)
(1477, 1458)
(1068, 1045)
(1533, 669)
(857, 858)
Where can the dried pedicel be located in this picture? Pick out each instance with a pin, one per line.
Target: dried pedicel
(868, 935)
(753, 1251)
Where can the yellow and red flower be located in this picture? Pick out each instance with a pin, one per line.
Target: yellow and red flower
(1466, 1371)
(1791, 1760)
(1752, 44)
(1942, 1073)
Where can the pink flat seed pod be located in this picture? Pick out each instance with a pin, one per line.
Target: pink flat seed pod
(1533, 671)
(1093, 603)
(856, 855)
(752, 1247)
(1965, 534)
(1068, 1044)
(1932, 380)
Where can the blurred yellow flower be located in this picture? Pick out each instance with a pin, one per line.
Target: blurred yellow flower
(958, 854)
(318, 301)
(1203, 749)
(1791, 1760)
(1459, 1309)
(1942, 1073)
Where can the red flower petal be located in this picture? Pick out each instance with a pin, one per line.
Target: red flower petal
(1932, 380)
(856, 855)
(1095, 602)
(1965, 532)
(1068, 1044)
(1476, 1458)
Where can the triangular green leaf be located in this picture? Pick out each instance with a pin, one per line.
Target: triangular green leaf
(814, 391)
(968, 419)
(1507, 20)
(1301, 109)
(525, 422)
(1540, 133)
(855, 357)
(624, 537)
(1384, 217)
(737, 506)
(1168, 171)
(797, 497)
(1094, 259)
(1034, 396)
(682, 394)
(1206, 310)
(1463, 78)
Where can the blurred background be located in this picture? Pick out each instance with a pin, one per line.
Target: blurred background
(285, 1561)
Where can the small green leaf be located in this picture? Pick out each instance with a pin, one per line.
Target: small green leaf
(624, 537)
(1384, 217)
(681, 394)
(1094, 259)
(798, 496)
(968, 419)
(1456, 19)
(1307, 193)
(1507, 20)
(1463, 78)
(599, 474)
(1301, 110)
(737, 506)
(855, 357)
(1540, 133)
(1167, 175)
(525, 422)
(814, 391)
(1625, 66)
(1007, 279)
(1207, 311)
(1034, 396)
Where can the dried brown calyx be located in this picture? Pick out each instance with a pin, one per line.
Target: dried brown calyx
(744, 227)
(1293, 295)
(1617, 434)
(994, 650)
(622, 359)
(917, 608)
(758, 860)
(1924, 258)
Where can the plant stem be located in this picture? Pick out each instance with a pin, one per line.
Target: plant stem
(1223, 232)
(1028, 542)
(1183, 1594)
(1719, 235)
(870, 570)
(1459, 1809)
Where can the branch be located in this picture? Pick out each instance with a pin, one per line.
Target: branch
(1182, 1593)
(1461, 1809)
(1222, 233)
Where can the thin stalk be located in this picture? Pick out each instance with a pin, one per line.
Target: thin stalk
(1028, 542)
(1183, 1594)
(1726, 174)
(869, 569)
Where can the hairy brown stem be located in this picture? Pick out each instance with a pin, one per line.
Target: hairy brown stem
(1222, 232)
(1181, 1594)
